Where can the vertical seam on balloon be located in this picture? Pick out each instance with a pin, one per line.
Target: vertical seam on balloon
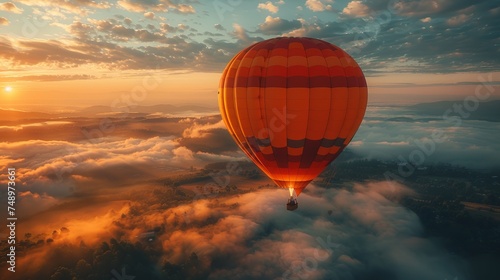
(229, 125)
(222, 86)
(233, 89)
(262, 90)
(332, 92)
(286, 108)
(266, 169)
(359, 102)
(309, 110)
(295, 178)
(331, 96)
(348, 95)
(357, 107)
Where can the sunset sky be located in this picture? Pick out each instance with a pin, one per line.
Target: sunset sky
(70, 53)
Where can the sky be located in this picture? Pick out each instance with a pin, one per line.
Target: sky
(109, 166)
(68, 53)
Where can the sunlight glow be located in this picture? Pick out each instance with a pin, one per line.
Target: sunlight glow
(8, 88)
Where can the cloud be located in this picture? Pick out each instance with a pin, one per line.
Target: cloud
(149, 15)
(201, 130)
(156, 5)
(244, 40)
(73, 6)
(37, 52)
(4, 21)
(458, 20)
(183, 154)
(277, 25)
(48, 78)
(328, 31)
(250, 236)
(268, 6)
(411, 139)
(411, 40)
(429, 7)
(10, 7)
(413, 8)
(173, 29)
(173, 52)
(240, 32)
(219, 27)
(58, 169)
(120, 43)
(318, 5)
(356, 9)
(209, 137)
(30, 203)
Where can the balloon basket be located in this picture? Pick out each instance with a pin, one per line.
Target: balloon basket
(292, 204)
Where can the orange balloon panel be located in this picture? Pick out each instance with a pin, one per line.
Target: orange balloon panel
(292, 105)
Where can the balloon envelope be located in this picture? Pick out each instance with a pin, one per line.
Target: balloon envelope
(292, 105)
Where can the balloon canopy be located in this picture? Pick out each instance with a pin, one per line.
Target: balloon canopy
(292, 105)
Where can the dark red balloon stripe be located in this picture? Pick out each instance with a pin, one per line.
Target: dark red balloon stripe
(295, 81)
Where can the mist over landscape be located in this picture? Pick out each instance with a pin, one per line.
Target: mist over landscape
(165, 195)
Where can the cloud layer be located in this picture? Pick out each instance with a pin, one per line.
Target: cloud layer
(399, 134)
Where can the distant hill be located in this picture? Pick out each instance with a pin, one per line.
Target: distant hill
(406, 119)
(162, 108)
(14, 115)
(100, 110)
(486, 111)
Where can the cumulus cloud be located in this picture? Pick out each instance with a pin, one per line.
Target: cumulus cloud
(4, 21)
(426, 7)
(209, 137)
(240, 33)
(268, 6)
(119, 43)
(156, 5)
(30, 203)
(172, 52)
(149, 15)
(356, 9)
(322, 30)
(319, 5)
(411, 8)
(172, 29)
(73, 6)
(457, 20)
(10, 7)
(277, 25)
(201, 130)
(219, 27)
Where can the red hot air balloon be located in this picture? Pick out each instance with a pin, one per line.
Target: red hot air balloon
(292, 105)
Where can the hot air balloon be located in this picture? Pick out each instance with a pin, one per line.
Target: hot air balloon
(292, 105)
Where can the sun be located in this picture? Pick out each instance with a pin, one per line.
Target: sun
(8, 89)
